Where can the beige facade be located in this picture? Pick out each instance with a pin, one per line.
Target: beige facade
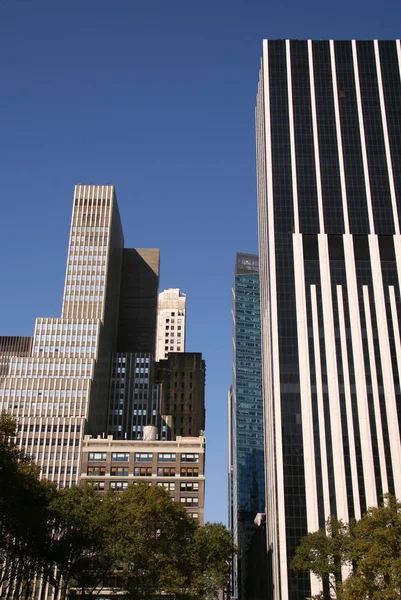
(59, 389)
(171, 319)
(178, 466)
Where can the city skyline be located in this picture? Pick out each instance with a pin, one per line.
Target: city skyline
(91, 372)
(157, 99)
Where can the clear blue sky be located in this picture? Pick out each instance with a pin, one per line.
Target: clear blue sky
(156, 97)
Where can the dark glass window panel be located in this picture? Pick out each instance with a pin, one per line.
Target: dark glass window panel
(304, 145)
(392, 95)
(361, 247)
(377, 164)
(351, 139)
(327, 134)
(280, 135)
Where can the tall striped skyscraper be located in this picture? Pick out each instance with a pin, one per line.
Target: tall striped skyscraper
(329, 196)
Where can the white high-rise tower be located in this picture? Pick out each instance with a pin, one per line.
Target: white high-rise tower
(171, 315)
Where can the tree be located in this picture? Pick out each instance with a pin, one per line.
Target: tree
(371, 548)
(77, 541)
(212, 550)
(24, 517)
(149, 540)
(80, 556)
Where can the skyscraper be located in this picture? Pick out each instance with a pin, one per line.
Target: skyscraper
(246, 455)
(329, 196)
(181, 377)
(137, 316)
(171, 320)
(57, 385)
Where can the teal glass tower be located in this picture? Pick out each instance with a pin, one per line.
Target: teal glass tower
(246, 453)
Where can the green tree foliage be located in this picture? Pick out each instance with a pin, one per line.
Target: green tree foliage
(148, 538)
(78, 541)
(211, 553)
(369, 548)
(24, 516)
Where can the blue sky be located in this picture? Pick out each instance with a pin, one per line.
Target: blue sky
(158, 99)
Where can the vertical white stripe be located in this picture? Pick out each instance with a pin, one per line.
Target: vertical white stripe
(339, 137)
(305, 387)
(363, 140)
(359, 371)
(375, 390)
(396, 325)
(292, 137)
(332, 380)
(320, 404)
(397, 248)
(385, 355)
(386, 140)
(348, 404)
(315, 139)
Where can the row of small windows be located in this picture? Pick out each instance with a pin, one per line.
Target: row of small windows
(52, 441)
(49, 428)
(143, 456)
(60, 471)
(73, 349)
(92, 202)
(86, 270)
(119, 471)
(90, 229)
(90, 237)
(83, 259)
(85, 288)
(45, 393)
(49, 410)
(55, 455)
(65, 338)
(84, 298)
(87, 278)
(66, 327)
(77, 248)
(29, 367)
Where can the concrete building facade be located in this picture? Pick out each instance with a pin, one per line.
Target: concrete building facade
(181, 377)
(171, 321)
(178, 466)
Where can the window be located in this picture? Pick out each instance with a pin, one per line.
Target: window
(96, 471)
(190, 501)
(194, 515)
(97, 456)
(118, 485)
(119, 456)
(143, 471)
(166, 457)
(168, 485)
(190, 458)
(189, 472)
(143, 456)
(119, 471)
(189, 486)
(98, 485)
(166, 471)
